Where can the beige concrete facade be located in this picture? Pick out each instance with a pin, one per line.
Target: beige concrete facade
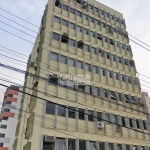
(35, 123)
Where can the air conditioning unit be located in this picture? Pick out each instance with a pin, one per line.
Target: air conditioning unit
(33, 63)
(100, 124)
(85, 6)
(49, 139)
(118, 128)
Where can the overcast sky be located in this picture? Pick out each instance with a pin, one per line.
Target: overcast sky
(135, 12)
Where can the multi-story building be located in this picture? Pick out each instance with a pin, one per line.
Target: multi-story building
(84, 94)
(9, 117)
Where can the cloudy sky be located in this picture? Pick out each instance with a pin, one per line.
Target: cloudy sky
(135, 12)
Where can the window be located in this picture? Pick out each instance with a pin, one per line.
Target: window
(7, 110)
(96, 91)
(1, 144)
(107, 118)
(2, 135)
(109, 74)
(128, 78)
(122, 77)
(79, 28)
(104, 93)
(111, 42)
(8, 102)
(92, 34)
(81, 145)
(72, 25)
(64, 22)
(71, 112)
(113, 57)
(99, 37)
(107, 55)
(90, 7)
(5, 118)
(56, 19)
(63, 59)
(85, 17)
(103, 25)
(97, 22)
(54, 56)
(72, 42)
(137, 122)
(62, 82)
(72, 10)
(99, 116)
(61, 111)
(3, 126)
(100, 53)
(85, 31)
(86, 47)
(96, 9)
(144, 125)
(102, 71)
(123, 121)
(116, 76)
(88, 89)
(93, 50)
(71, 62)
(110, 145)
(90, 115)
(65, 7)
(101, 145)
(81, 113)
(64, 38)
(131, 63)
(53, 80)
(115, 119)
(105, 39)
(119, 146)
(81, 87)
(60, 144)
(78, 13)
(80, 64)
(10, 95)
(119, 59)
(71, 84)
(92, 145)
(57, 3)
(87, 67)
(55, 36)
(95, 69)
(71, 144)
(50, 108)
(127, 147)
(130, 122)
(91, 19)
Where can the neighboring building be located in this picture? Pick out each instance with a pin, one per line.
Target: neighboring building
(146, 100)
(83, 51)
(9, 117)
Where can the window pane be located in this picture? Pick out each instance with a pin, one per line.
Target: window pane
(79, 29)
(53, 80)
(92, 34)
(85, 17)
(92, 145)
(50, 108)
(54, 56)
(78, 13)
(72, 11)
(85, 31)
(71, 112)
(71, 144)
(55, 36)
(71, 62)
(107, 117)
(87, 67)
(71, 84)
(72, 42)
(63, 59)
(72, 25)
(61, 111)
(115, 119)
(2, 135)
(101, 145)
(81, 145)
(65, 7)
(99, 116)
(80, 64)
(95, 69)
(88, 89)
(86, 47)
(81, 113)
(110, 145)
(93, 50)
(3, 126)
(62, 81)
(91, 19)
(90, 115)
(56, 19)
(96, 91)
(119, 146)
(64, 22)
(60, 144)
